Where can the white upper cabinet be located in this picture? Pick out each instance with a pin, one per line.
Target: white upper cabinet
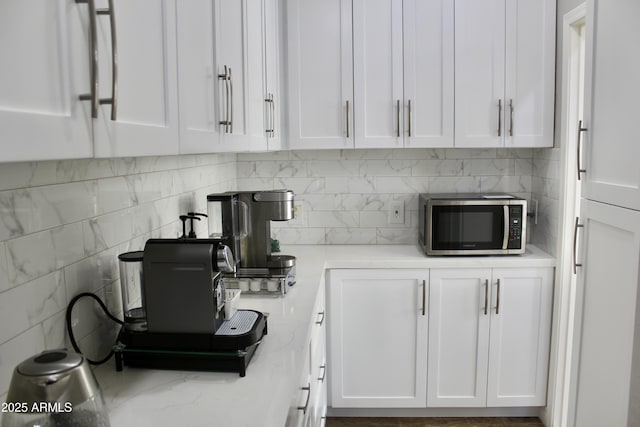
(144, 85)
(377, 69)
(610, 148)
(228, 75)
(320, 74)
(391, 86)
(231, 47)
(504, 73)
(197, 77)
(46, 67)
(428, 73)
(262, 63)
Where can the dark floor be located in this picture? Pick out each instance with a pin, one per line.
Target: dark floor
(433, 422)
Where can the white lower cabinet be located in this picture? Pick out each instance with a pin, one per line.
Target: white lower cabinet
(465, 337)
(489, 334)
(309, 402)
(377, 338)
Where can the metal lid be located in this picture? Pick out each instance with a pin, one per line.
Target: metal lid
(135, 256)
(50, 362)
(53, 376)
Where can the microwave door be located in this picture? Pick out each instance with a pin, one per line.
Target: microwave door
(505, 238)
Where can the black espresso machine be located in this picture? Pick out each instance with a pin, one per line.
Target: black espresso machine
(177, 313)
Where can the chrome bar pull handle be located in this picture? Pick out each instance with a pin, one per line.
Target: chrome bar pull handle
(486, 296)
(321, 316)
(499, 117)
(306, 404)
(230, 102)
(579, 151)
(575, 246)
(93, 36)
(273, 117)
(409, 112)
(424, 297)
(498, 297)
(347, 116)
(324, 373)
(114, 61)
(398, 117)
(511, 117)
(269, 102)
(225, 77)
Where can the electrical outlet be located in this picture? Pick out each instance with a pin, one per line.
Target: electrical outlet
(396, 212)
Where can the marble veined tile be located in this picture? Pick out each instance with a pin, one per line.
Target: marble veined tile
(60, 204)
(350, 185)
(333, 219)
(16, 213)
(402, 184)
(365, 202)
(299, 236)
(26, 174)
(29, 304)
(429, 167)
(37, 254)
(333, 167)
(105, 231)
(351, 236)
(386, 167)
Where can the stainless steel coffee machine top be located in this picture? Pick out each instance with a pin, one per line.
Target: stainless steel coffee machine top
(242, 220)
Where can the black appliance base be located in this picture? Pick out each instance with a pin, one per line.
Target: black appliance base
(190, 352)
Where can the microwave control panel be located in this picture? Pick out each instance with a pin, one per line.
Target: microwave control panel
(515, 227)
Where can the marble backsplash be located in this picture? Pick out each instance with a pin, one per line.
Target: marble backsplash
(346, 194)
(62, 225)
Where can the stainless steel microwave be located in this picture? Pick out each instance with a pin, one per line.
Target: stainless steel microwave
(472, 224)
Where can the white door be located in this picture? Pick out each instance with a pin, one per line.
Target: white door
(459, 309)
(272, 107)
(146, 121)
(605, 316)
(428, 30)
(377, 70)
(197, 77)
(320, 74)
(479, 73)
(521, 306)
(378, 338)
(611, 146)
(46, 67)
(530, 73)
(232, 33)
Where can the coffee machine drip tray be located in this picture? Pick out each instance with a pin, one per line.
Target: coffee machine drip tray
(229, 349)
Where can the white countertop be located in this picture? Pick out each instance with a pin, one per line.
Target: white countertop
(147, 397)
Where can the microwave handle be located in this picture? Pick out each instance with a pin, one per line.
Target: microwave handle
(505, 238)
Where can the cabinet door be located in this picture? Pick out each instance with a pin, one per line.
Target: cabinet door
(377, 71)
(197, 77)
(520, 332)
(378, 338)
(458, 337)
(605, 318)
(612, 90)
(479, 73)
(147, 103)
(232, 35)
(320, 74)
(530, 73)
(272, 109)
(428, 72)
(45, 54)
